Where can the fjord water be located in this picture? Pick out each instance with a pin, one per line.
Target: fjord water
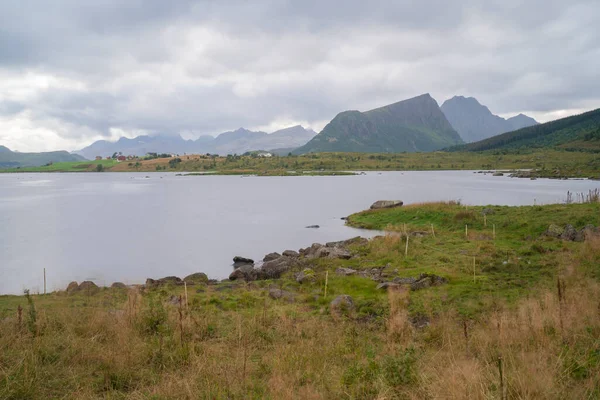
(126, 227)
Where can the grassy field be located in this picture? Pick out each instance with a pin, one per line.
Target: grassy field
(545, 163)
(76, 166)
(499, 314)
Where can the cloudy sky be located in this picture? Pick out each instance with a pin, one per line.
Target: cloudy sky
(73, 72)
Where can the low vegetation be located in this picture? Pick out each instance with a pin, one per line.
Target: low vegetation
(543, 163)
(517, 318)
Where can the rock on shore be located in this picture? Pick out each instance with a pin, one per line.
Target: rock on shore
(386, 204)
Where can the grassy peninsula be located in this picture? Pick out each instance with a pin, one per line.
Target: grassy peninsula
(516, 315)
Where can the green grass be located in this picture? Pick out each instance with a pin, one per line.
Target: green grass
(74, 166)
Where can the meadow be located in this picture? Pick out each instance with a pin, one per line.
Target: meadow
(519, 317)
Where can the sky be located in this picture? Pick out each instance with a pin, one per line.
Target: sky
(74, 72)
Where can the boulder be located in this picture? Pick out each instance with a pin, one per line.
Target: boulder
(291, 253)
(241, 261)
(498, 174)
(88, 287)
(72, 287)
(313, 226)
(118, 285)
(427, 280)
(170, 280)
(345, 271)
(554, 231)
(174, 300)
(277, 294)
(353, 241)
(275, 268)
(405, 281)
(199, 278)
(271, 257)
(307, 275)
(569, 233)
(342, 304)
(245, 272)
(310, 251)
(487, 211)
(386, 204)
(332, 252)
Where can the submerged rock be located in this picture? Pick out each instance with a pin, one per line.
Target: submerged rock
(313, 226)
(386, 204)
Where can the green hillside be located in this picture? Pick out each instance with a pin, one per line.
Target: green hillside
(412, 125)
(11, 159)
(579, 132)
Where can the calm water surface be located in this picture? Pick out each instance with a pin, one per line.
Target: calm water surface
(126, 227)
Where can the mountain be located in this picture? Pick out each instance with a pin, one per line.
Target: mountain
(474, 121)
(238, 141)
(579, 132)
(411, 125)
(11, 159)
(521, 121)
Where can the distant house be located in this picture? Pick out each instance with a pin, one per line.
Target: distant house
(265, 155)
(121, 158)
(98, 158)
(108, 158)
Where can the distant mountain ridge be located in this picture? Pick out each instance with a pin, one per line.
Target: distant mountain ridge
(578, 132)
(411, 125)
(238, 141)
(13, 159)
(474, 121)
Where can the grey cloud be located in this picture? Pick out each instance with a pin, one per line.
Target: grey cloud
(210, 66)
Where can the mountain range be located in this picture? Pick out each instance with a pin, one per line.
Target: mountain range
(474, 121)
(13, 159)
(238, 141)
(411, 125)
(578, 132)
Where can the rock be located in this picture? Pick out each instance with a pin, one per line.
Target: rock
(275, 268)
(199, 278)
(277, 294)
(307, 275)
(245, 272)
(569, 233)
(291, 253)
(238, 259)
(487, 211)
(271, 257)
(345, 271)
(88, 287)
(342, 304)
(498, 174)
(387, 285)
(554, 231)
(167, 280)
(333, 252)
(427, 280)
(405, 281)
(241, 261)
(174, 300)
(118, 285)
(386, 204)
(419, 234)
(151, 283)
(345, 243)
(310, 252)
(72, 287)
(313, 226)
